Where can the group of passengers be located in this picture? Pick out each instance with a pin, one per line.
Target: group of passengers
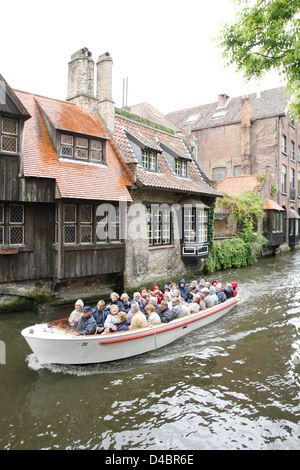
(148, 307)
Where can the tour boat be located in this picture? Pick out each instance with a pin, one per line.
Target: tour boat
(54, 343)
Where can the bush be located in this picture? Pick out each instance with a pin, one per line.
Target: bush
(234, 253)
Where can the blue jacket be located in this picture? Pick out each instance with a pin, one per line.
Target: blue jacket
(100, 315)
(87, 325)
(121, 326)
(184, 292)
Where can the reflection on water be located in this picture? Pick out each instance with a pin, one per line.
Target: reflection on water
(231, 385)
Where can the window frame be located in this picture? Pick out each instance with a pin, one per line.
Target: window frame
(77, 148)
(159, 221)
(181, 167)
(292, 150)
(15, 136)
(86, 225)
(284, 144)
(283, 179)
(193, 226)
(8, 225)
(147, 156)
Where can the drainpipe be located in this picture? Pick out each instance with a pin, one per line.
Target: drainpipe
(279, 159)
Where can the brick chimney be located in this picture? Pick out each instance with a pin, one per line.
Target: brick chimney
(246, 159)
(81, 79)
(105, 102)
(222, 100)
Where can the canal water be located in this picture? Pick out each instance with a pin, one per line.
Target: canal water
(231, 385)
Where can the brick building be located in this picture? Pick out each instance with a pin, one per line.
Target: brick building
(250, 135)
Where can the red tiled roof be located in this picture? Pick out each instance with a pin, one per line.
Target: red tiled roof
(74, 179)
(165, 178)
(238, 184)
(272, 205)
(68, 117)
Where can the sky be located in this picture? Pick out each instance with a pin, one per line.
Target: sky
(165, 48)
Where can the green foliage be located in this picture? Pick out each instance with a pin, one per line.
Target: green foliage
(266, 37)
(246, 208)
(234, 253)
(245, 247)
(274, 190)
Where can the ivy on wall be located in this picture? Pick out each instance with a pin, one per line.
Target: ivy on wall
(244, 249)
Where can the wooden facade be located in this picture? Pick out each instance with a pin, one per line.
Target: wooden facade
(32, 217)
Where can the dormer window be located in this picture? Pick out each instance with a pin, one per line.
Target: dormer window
(181, 167)
(149, 160)
(9, 135)
(82, 148)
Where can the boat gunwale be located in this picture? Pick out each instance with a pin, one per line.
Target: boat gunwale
(160, 328)
(118, 337)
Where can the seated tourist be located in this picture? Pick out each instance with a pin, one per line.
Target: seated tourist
(184, 292)
(175, 293)
(145, 295)
(76, 314)
(153, 317)
(87, 324)
(114, 300)
(220, 294)
(100, 313)
(126, 304)
(122, 323)
(139, 319)
(165, 312)
(213, 295)
(137, 298)
(209, 302)
(228, 290)
(193, 289)
(111, 318)
(202, 284)
(153, 301)
(234, 288)
(173, 288)
(167, 298)
(157, 293)
(166, 288)
(177, 310)
(195, 305)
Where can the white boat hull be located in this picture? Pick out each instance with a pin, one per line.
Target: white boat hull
(54, 346)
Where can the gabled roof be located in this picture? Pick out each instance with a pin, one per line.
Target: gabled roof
(239, 184)
(78, 180)
(164, 178)
(266, 104)
(9, 102)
